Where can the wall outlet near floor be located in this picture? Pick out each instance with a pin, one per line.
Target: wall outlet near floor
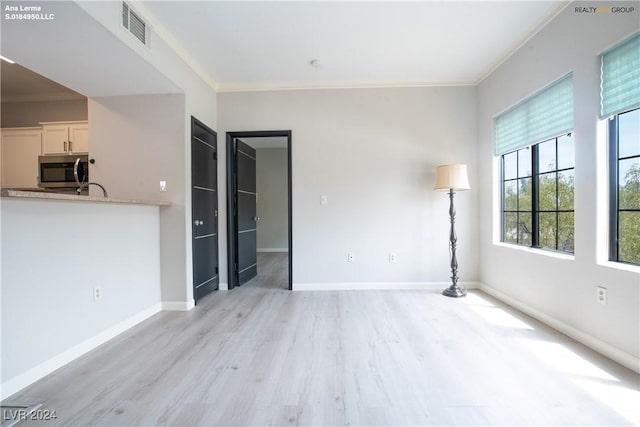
(393, 258)
(351, 257)
(163, 185)
(601, 295)
(97, 293)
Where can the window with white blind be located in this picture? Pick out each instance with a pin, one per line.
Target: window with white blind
(536, 149)
(620, 103)
(545, 115)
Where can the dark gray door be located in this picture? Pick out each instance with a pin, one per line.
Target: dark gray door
(204, 208)
(247, 219)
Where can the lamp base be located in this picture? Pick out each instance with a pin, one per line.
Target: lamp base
(454, 291)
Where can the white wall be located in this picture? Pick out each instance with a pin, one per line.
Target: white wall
(25, 114)
(200, 100)
(271, 177)
(373, 153)
(124, 67)
(137, 141)
(562, 287)
(54, 253)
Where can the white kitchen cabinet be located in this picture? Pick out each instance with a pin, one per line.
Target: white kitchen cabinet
(65, 138)
(19, 157)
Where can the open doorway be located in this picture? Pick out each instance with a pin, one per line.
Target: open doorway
(259, 207)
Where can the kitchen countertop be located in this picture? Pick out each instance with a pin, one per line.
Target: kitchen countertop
(21, 194)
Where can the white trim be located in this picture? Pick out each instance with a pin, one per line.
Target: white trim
(26, 129)
(519, 46)
(632, 268)
(231, 88)
(537, 251)
(625, 359)
(362, 286)
(68, 122)
(178, 305)
(27, 378)
(171, 42)
(273, 249)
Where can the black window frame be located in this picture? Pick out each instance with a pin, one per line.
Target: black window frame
(535, 196)
(614, 199)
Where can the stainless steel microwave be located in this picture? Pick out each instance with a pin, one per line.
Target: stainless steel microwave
(61, 171)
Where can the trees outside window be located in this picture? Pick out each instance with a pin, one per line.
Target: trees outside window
(537, 195)
(624, 167)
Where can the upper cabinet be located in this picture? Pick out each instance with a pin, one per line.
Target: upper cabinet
(65, 138)
(20, 151)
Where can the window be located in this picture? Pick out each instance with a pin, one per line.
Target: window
(535, 145)
(624, 168)
(537, 195)
(620, 102)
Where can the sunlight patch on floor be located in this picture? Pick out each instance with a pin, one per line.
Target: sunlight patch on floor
(494, 315)
(604, 387)
(499, 317)
(623, 400)
(596, 382)
(474, 299)
(561, 358)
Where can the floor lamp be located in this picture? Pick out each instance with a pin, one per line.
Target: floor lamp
(452, 178)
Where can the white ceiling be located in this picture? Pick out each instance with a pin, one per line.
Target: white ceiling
(21, 84)
(243, 45)
(78, 53)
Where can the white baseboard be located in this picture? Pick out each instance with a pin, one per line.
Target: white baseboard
(361, 286)
(16, 384)
(625, 359)
(273, 249)
(178, 305)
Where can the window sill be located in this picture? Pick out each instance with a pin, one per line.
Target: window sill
(621, 266)
(543, 252)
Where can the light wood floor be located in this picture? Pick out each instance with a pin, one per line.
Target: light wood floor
(261, 355)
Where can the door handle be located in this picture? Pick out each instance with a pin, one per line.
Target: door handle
(70, 149)
(256, 218)
(198, 222)
(65, 145)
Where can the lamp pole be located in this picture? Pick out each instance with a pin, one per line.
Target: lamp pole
(454, 290)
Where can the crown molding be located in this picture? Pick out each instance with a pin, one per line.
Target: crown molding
(550, 17)
(174, 46)
(301, 86)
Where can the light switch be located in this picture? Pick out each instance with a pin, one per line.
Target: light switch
(323, 200)
(163, 185)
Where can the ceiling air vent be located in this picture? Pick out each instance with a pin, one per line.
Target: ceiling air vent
(134, 23)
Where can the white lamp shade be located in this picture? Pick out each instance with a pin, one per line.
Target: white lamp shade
(451, 177)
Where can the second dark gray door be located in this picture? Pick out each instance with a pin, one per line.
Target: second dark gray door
(204, 209)
(247, 219)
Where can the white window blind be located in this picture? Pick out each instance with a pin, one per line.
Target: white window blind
(547, 114)
(620, 78)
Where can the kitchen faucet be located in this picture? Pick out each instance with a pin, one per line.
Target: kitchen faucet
(87, 184)
(82, 185)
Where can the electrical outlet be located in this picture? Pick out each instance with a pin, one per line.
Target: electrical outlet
(393, 258)
(351, 257)
(323, 200)
(97, 293)
(601, 295)
(163, 185)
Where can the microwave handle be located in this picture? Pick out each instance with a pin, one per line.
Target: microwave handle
(75, 171)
